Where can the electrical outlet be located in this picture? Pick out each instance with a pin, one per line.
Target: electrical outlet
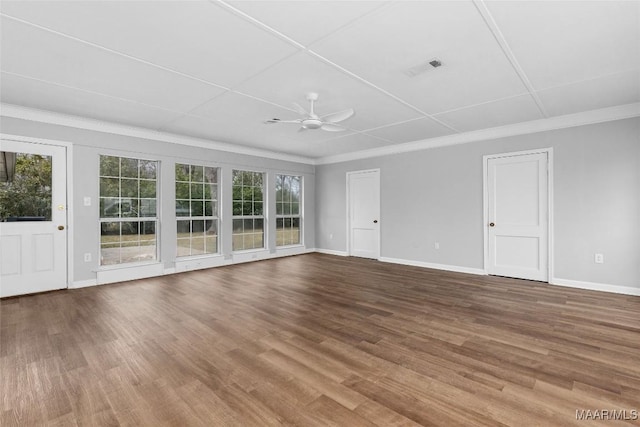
(599, 258)
(87, 201)
(331, 236)
(436, 245)
(87, 257)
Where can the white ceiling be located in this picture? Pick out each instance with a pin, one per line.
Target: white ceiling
(217, 70)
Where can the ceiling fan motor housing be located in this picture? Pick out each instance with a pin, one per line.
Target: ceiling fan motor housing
(312, 123)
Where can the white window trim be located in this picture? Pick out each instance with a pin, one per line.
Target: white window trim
(216, 218)
(300, 214)
(263, 217)
(157, 260)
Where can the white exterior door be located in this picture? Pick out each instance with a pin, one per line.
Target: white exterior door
(33, 231)
(364, 213)
(517, 201)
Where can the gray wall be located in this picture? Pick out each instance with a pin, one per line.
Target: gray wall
(436, 195)
(87, 147)
(426, 196)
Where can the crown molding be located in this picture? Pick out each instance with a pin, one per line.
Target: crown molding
(50, 117)
(619, 112)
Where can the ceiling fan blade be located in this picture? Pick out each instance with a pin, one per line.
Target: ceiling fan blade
(271, 121)
(338, 117)
(300, 110)
(302, 129)
(332, 128)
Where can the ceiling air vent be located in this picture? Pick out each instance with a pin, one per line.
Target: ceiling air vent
(423, 68)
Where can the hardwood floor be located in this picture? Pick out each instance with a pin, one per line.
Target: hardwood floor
(319, 340)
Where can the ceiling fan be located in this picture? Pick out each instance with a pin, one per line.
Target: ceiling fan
(311, 120)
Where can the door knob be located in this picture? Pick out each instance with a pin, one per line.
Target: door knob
(491, 224)
(61, 227)
(375, 221)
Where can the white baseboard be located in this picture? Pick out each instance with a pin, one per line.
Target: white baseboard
(603, 287)
(127, 273)
(331, 252)
(133, 272)
(196, 263)
(249, 256)
(292, 250)
(446, 267)
(124, 273)
(83, 284)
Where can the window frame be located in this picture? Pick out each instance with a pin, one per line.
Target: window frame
(243, 217)
(122, 219)
(299, 215)
(216, 217)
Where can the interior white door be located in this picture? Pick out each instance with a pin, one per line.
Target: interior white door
(33, 231)
(364, 213)
(518, 216)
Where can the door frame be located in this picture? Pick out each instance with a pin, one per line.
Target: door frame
(348, 234)
(485, 204)
(69, 190)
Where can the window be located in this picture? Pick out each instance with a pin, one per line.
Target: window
(128, 219)
(248, 210)
(288, 208)
(25, 187)
(197, 209)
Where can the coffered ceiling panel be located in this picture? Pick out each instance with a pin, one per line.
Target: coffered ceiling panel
(218, 69)
(46, 96)
(32, 52)
(347, 144)
(607, 91)
(382, 47)
(194, 37)
(291, 79)
(200, 127)
(306, 21)
(413, 130)
(559, 42)
(234, 109)
(492, 114)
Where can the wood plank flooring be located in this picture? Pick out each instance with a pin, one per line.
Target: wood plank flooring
(317, 340)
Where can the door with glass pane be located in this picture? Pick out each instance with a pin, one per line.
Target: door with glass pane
(33, 218)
